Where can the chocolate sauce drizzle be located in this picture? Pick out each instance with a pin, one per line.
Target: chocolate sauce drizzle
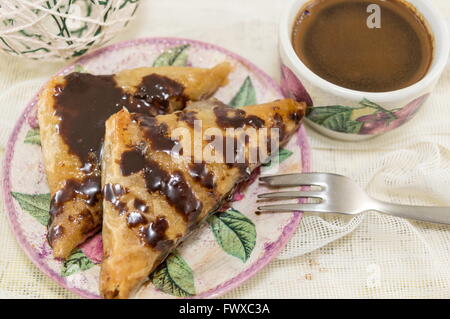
(87, 190)
(278, 123)
(83, 104)
(132, 162)
(242, 164)
(140, 205)
(112, 193)
(156, 133)
(136, 218)
(200, 172)
(173, 186)
(155, 92)
(86, 101)
(296, 116)
(154, 234)
(228, 117)
(187, 116)
(54, 233)
(151, 233)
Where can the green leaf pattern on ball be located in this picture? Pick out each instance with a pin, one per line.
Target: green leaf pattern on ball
(234, 232)
(60, 26)
(126, 2)
(174, 277)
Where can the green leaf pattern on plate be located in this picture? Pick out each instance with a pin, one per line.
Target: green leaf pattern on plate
(79, 68)
(78, 261)
(246, 94)
(234, 232)
(176, 56)
(36, 205)
(174, 277)
(33, 137)
(283, 154)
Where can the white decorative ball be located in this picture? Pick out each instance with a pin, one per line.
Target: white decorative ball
(60, 29)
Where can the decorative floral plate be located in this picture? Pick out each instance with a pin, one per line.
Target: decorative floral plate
(224, 252)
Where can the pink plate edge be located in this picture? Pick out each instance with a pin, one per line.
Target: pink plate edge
(272, 249)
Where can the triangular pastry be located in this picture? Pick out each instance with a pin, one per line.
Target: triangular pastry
(72, 114)
(155, 193)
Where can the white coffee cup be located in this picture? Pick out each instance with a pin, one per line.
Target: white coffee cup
(356, 115)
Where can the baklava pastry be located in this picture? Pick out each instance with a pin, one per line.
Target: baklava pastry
(72, 114)
(157, 187)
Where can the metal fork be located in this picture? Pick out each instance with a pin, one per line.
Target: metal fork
(340, 195)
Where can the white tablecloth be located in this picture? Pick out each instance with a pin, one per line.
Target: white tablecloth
(368, 256)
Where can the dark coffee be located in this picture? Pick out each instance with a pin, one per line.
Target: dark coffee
(333, 39)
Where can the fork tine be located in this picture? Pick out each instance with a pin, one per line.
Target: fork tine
(283, 208)
(292, 194)
(296, 179)
(292, 208)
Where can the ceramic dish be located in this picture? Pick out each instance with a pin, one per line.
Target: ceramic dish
(207, 264)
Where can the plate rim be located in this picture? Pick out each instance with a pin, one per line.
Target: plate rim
(271, 250)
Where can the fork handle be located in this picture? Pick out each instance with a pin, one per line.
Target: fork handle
(439, 215)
